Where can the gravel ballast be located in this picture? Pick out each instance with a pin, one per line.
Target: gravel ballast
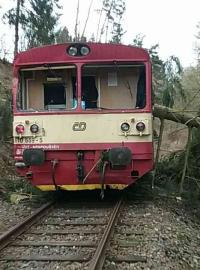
(164, 231)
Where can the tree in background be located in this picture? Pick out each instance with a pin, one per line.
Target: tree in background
(197, 49)
(4, 51)
(158, 72)
(157, 67)
(62, 35)
(172, 83)
(37, 20)
(41, 22)
(86, 22)
(117, 33)
(166, 81)
(191, 80)
(138, 40)
(117, 29)
(110, 17)
(5, 114)
(16, 17)
(191, 86)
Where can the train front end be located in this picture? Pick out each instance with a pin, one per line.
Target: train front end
(82, 116)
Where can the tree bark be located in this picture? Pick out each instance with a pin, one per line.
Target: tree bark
(179, 117)
(76, 23)
(88, 15)
(17, 27)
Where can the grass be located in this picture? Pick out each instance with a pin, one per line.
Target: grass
(19, 186)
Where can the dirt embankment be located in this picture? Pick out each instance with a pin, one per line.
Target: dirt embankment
(174, 137)
(5, 91)
(5, 78)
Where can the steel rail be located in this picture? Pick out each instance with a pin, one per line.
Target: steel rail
(99, 256)
(21, 227)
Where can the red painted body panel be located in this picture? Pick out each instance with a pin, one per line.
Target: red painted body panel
(66, 169)
(98, 52)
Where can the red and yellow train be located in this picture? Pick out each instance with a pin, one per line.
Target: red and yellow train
(82, 115)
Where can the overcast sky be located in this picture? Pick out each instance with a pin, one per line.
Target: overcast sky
(171, 23)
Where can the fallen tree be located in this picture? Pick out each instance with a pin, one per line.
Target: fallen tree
(165, 113)
(179, 117)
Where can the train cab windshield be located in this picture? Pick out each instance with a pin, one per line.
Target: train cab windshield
(104, 86)
(114, 86)
(47, 88)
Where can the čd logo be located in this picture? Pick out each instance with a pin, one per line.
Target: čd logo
(79, 126)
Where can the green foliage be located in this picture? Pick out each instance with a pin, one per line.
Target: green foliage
(170, 169)
(19, 186)
(138, 40)
(158, 72)
(191, 86)
(117, 33)
(113, 11)
(38, 21)
(41, 22)
(166, 79)
(117, 29)
(16, 17)
(197, 49)
(62, 35)
(172, 82)
(10, 15)
(5, 116)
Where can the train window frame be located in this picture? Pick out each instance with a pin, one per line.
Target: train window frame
(50, 75)
(142, 68)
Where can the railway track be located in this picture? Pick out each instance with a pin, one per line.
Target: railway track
(72, 236)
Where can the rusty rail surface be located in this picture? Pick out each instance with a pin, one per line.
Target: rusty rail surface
(95, 261)
(99, 256)
(10, 235)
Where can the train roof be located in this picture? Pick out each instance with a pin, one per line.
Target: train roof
(99, 52)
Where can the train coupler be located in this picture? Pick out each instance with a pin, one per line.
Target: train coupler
(80, 167)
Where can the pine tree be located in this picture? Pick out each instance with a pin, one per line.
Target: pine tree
(5, 115)
(62, 35)
(117, 33)
(172, 82)
(197, 49)
(138, 40)
(110, 16)
(117, 29)
(167, 75)
(16, 17)
(158, 74)
(41, 22)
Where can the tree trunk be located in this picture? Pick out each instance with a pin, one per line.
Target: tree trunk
(17, 27)
(179, 117)
(88, 15)
(76, 23)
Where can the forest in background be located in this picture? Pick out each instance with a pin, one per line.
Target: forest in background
(36, 23)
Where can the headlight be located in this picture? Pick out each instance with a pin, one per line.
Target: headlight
(34, 128)
(72, 51)
(20, 129)
(125, 127)
(140, 126)
(84, 50)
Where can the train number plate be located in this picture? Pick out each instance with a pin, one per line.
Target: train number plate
(28, 140)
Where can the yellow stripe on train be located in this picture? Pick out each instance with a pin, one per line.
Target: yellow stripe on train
(80, 187)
